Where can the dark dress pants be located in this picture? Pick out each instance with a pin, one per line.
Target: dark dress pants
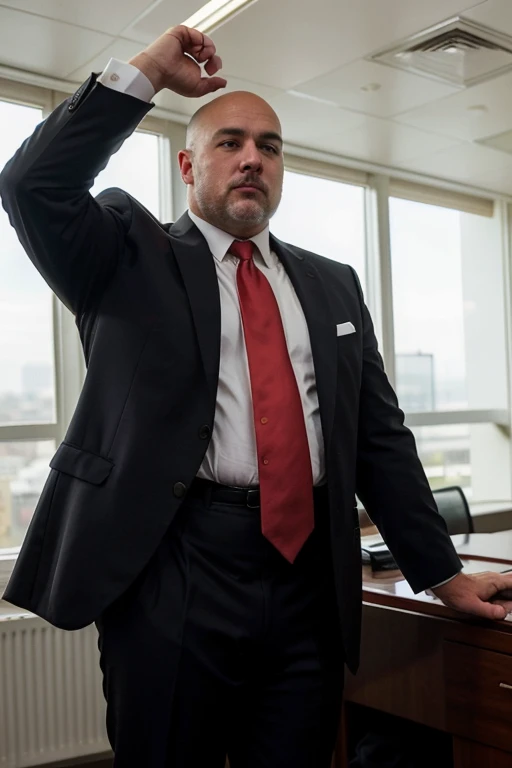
(223, 647)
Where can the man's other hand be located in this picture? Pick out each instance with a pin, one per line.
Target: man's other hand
(173, 60)
(488, 595)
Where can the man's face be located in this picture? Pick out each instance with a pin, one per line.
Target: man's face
(235, 166)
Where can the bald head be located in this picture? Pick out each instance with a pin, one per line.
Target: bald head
(233, 163)
(224, 105)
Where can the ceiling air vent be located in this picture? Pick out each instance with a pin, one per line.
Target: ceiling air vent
(457, 52)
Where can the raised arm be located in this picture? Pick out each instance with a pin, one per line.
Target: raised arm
(73, 239)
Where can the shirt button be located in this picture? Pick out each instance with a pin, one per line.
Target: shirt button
(265, 461)
(114, 77)
(264, 420)
(205, 432)
(179, 490)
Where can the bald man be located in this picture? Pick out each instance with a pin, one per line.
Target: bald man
(201, 509)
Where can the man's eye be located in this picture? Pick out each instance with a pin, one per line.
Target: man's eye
(270, 148)
(229, 144)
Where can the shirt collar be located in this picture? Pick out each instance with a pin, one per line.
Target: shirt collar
(219, 242)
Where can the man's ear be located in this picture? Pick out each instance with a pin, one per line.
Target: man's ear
(185, 163)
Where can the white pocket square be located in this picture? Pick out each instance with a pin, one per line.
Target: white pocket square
(343, 328)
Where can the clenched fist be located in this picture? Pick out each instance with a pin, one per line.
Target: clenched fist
(173, 60)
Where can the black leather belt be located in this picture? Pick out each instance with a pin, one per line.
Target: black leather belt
(230, 494)
(225, 494)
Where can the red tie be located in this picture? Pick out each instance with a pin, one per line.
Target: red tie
(284, 462)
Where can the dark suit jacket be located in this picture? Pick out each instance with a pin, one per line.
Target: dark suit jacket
(147, 307)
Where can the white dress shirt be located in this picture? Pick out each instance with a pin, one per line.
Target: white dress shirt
(231, 458)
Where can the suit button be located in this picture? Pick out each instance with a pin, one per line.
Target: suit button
(179, 490)
(205, 432)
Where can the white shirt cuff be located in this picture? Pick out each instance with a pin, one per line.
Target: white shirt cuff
(441, 583)
(126, 78)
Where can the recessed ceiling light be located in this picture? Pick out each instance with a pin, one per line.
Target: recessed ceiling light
(371, 87)
(215, 13)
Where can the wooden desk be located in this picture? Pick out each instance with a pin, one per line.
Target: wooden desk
(430, 665)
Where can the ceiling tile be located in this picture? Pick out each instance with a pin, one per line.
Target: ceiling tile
(494, 13)
(375, 89)
(109, 17)
(464, 162)
(381, 141)
(475, 113)
(303, 120)
(120, 49)
(49, 47)
(187, 107)
(292, 41)
(167, 13)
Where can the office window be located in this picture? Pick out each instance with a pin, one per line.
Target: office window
(23, 473)
(27, 390)
(449, 325)
(445, 452)
(135, 169)
(323, 216)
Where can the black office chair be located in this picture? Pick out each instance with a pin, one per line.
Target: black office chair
(453, 506)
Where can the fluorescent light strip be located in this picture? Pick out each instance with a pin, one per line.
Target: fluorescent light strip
(215, 13)
(309, 97)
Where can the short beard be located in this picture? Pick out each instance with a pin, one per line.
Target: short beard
(225, 214)
(254, 214)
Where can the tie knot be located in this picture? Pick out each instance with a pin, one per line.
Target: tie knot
(243, 249)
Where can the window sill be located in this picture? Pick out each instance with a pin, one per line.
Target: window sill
(7, 560)
(491, 516)
(488, 517)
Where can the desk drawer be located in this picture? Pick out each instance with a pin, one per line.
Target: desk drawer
(479, 694)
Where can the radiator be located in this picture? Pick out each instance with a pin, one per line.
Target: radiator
(51, 702)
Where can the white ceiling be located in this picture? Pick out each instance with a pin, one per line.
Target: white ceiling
(308, 59)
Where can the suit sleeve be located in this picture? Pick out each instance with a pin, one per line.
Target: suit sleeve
(390, 479)
(73, 239)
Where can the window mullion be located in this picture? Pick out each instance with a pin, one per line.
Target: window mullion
(380, 285)
(165, 181)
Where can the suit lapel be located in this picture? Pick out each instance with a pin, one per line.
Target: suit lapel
(310, 288)
(197, 268)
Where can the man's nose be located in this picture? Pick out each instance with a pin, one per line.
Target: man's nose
(251, 158)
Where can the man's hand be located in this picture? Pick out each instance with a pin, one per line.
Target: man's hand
(485, 594)
(172, 61)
